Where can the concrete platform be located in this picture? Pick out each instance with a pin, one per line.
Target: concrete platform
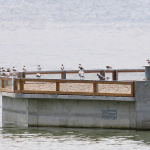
(78, 110)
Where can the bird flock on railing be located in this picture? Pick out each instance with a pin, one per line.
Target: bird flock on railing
(13, 72)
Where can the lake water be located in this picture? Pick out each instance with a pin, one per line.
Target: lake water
(91, 32)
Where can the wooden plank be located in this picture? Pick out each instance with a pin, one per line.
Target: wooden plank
(77, 81)
(21, 85)
(94, 87)
(5, 90)
(86, 71)
(2, 83)
(74, 93)
(115, 94)
(15, 85)
(57, 86)
(132, 89)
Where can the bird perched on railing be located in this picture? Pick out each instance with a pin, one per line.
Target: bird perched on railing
(38, 75)
(3, 70)
(14, 69)
(39, 68)
(81, 74)
(24, 69)
(148, 61)
(8, 70)
(62, 67)
(80, 67)
(7, 73)
(102, 77)
(108, 67)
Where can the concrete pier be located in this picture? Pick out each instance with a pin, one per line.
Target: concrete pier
(69, 111)
(74, 110)
(78, 110)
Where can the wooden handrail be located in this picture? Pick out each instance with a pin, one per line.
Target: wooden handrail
(114, 72)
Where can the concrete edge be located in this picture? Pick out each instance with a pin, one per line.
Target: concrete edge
(76, 97)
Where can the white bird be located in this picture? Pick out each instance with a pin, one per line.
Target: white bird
(81, 74)
(7, 73)
(39, 68)
(24, 69)
(14, 69)
(8, 70)
(108, 67)
(3, 69)
(80, 66)
(38, 75)
(62, 67)
(148, 61)
(102, 77)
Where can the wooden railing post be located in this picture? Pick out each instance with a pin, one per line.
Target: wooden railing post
(115, 75)
(23, 75)
(57, 86)
(95, 87)
(15, 85)
(132, 89)
(21, 85)
(3, 83)
(63, 75)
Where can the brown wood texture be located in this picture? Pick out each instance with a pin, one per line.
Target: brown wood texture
(58, 81)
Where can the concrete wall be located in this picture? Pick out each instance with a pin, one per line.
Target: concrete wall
(142, 95)
(14, 110)
(104, 112)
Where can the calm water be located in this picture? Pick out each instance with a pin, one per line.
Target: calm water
(91, 32)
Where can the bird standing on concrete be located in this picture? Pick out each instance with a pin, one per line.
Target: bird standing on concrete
(108, 67)
(62, 67)
(24, 69)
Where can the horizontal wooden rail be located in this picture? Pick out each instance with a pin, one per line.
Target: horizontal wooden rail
(85, 71)
(102, 71)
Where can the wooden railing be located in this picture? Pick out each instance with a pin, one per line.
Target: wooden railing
(63, 74)
(67, 87)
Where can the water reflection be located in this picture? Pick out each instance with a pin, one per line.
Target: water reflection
(73, 138)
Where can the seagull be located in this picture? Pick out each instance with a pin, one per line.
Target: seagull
(24, 69)
(14, 69)
(38, 75)
(3, 69)
(80, 67)
(81, 74)
(7, 73)
(8, 70)
(148, 61)
(62, 67)
(39, 68)
(102, 77)
(108, 67)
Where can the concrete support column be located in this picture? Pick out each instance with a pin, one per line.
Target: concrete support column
(142, 95)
